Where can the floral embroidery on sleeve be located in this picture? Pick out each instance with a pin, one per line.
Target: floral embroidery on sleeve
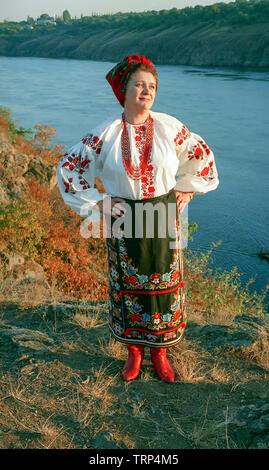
(196, 152)
(69, 188)
(84, 183)
(182, 135)
(207, 173)
(206, 147)
(76, 161)
(77, 164)
(94, 142)
(71, 161)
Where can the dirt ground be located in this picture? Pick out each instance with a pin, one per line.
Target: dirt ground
(61, 384)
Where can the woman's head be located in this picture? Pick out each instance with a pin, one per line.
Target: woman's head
(122, 74)
(141, 90)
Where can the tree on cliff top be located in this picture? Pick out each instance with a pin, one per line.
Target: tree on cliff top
(66, 16)
(44, 16)
(30, 21)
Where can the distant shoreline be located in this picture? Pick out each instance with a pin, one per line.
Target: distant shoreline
(237, 68)
(206, 44)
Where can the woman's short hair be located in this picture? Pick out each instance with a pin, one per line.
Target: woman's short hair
(145, 68)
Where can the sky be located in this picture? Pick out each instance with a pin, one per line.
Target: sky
(18, 10)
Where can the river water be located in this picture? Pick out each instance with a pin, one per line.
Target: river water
(227, 107)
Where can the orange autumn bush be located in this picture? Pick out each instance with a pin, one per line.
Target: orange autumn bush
(41, 144)
(41, 226)
(3, 126)
(76, 263)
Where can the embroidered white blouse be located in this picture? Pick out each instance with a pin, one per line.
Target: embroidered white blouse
(180, 159)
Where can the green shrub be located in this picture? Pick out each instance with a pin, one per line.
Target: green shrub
(13, 129)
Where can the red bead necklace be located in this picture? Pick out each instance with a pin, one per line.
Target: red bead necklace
(135, 172)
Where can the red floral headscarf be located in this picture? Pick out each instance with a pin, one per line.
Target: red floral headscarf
(119, 75)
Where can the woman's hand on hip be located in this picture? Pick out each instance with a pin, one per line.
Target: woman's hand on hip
(183, 198)
(111, 206)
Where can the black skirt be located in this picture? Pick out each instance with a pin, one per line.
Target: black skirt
(146, 286)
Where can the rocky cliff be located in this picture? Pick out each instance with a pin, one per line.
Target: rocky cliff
(202, 44)
(16, 167)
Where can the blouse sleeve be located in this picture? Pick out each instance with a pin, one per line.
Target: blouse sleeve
(197, 170)
(76, 174)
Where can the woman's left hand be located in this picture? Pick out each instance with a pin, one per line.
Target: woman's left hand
(183, 198)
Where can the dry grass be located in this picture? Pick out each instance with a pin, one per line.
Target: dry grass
(222, 316)
(54, 405)
(28, 293)
(24, 419)
(259, 350)
(112, 348)
(97, 386)
(72, 394)
(89, 317)
(94, 393)
(188, 363)
(220, 374)
(191, 364)
(210, 431)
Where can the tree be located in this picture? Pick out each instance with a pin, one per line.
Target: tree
(30, 21)
(66, 16)
(44, 16)
(58, 19)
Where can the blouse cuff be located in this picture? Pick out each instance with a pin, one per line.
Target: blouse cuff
(89, 209)
(185, 185)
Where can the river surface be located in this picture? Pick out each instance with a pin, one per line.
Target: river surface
(227, 107)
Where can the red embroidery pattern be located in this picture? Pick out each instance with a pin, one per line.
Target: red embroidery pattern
(69, 188)
(182, 135)
(147, 180)
(147, 183)
(94, 142)
(207, 173)
(140, 139)
(70, 163)
(76, 161)
(133, 171)
(84, 183)
(196, 152)
(205, 146)
(79, 164)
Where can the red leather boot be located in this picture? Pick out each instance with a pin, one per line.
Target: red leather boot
(161, 364)
(132, 366)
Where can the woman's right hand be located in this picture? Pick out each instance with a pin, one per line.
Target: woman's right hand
(111, 206)
(183, 198)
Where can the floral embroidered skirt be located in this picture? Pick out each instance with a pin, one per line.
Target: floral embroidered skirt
(146, 288)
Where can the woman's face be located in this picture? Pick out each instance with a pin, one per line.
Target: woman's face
(140, 92)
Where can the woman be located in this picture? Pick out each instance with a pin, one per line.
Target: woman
(141, 157)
